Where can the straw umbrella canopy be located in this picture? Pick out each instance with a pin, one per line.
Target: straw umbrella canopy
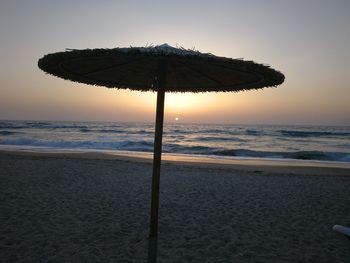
(161, 69)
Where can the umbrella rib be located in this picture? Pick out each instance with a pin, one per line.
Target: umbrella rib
(101, 69)
(260, 75)
(201, 73)
(101, 82)
(86, 75)
(113, 66)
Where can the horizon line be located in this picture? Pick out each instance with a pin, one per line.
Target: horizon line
(179, 122)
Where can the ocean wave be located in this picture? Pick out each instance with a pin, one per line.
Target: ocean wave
(65, 126)
(108, 145)
(253, 132)
(20, 141)
(145, 132)
(299, 155)
(7, 125)
(111, 131)
(213, 139)
(8, 132)
(225, 131)
(216, 131)
(48, 125)
(178, 148)
(293, 133)
(85, 130)
(235, 132)
(39, 125)
(101, 131)
(142, 146)
(178, 131)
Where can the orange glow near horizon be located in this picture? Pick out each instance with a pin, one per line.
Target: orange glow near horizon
(186, 102)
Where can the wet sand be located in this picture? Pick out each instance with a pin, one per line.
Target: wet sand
(94, 207)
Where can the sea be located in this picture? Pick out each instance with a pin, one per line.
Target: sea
(323, 143)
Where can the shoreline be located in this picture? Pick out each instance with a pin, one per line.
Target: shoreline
(202, 160)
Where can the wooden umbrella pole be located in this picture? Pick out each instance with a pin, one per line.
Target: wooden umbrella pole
(161, 82)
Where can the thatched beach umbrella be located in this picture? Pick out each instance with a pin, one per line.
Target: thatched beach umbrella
(161, 69)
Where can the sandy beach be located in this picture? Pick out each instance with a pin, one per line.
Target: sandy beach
(74, 207)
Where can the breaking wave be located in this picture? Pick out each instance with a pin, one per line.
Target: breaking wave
(291, 133)
(300, 155)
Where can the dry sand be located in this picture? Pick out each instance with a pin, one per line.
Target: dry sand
(95, 208)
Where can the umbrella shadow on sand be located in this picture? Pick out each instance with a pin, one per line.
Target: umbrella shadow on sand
(152, 250)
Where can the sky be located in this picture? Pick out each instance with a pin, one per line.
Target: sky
(307, 40)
